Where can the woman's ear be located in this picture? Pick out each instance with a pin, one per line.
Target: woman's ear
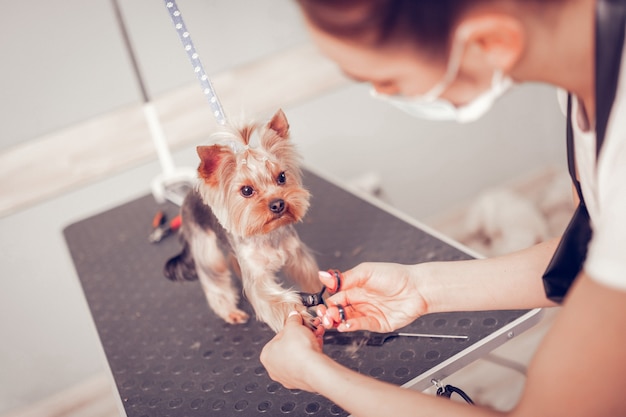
(497, 39)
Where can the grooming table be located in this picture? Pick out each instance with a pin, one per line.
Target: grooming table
(171, 356)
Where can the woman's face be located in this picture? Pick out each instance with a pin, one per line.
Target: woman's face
(396, 69)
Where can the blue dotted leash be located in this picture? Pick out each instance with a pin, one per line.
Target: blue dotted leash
(205, 82)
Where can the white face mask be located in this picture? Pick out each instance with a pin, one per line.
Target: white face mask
(431, 107)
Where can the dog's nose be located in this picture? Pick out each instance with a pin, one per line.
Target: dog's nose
(277, 206)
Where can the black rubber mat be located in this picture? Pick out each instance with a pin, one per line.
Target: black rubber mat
(171, 356)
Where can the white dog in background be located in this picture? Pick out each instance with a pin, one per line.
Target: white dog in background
(502, 221)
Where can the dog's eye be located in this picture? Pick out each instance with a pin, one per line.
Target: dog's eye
(281, 179)
(247, 191)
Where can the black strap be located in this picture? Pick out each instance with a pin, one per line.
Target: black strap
(571, 159)
(610, 25)
(446, 391)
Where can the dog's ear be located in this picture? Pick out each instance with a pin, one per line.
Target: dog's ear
(279, 124)
(211, 159)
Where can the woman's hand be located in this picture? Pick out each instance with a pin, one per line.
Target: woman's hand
(379, 297)
(288, 354)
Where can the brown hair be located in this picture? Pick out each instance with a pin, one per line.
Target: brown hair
(427, 22)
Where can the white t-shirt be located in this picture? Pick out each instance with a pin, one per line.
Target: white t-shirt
(604, 190)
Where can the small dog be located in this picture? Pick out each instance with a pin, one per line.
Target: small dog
(243, 209)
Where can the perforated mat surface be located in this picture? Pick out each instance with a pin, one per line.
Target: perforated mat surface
(171, 356)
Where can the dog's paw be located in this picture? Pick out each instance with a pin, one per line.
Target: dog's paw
(236, 317)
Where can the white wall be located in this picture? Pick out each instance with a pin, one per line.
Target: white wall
(65, 61)
(428, 166)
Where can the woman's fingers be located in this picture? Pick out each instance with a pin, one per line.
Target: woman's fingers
(332, 280)
(336, 281)
(294, 317)
(351, 319)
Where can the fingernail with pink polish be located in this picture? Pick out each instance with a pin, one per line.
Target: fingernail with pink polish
(343, 327)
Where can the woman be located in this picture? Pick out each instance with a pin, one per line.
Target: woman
(451, 59)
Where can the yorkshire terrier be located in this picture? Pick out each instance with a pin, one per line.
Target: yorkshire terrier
(244, 208)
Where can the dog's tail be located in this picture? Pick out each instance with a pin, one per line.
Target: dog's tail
(182, 266)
